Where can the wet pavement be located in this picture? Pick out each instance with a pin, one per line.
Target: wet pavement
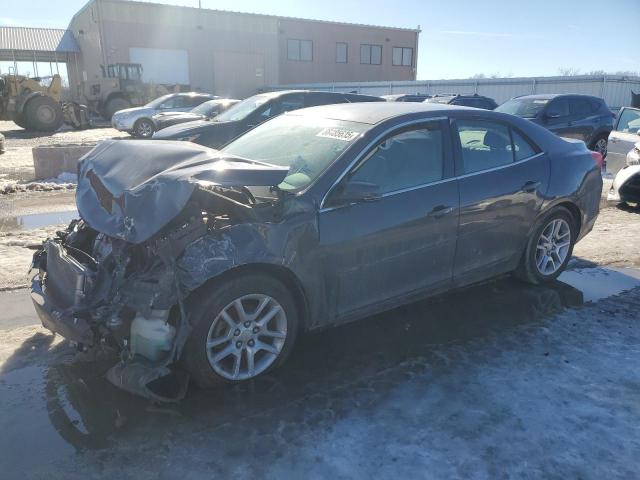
(500, 380)
(36, 220)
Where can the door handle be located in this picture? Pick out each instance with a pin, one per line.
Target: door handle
(530, 186)
(440, 211)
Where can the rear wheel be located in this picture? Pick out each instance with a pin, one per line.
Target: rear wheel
(549, 248)
(44, 114)
(241, 329)
(600, 145)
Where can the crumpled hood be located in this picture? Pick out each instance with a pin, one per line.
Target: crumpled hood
(131, 189)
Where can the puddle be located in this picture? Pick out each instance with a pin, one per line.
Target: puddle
(36, 220)
(598, 283)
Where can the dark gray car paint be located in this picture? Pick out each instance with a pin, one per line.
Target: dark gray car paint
(351, 260)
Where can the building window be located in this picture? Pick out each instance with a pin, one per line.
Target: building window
(371, 54)
(341, 52)
(402, 56)
(300, 50)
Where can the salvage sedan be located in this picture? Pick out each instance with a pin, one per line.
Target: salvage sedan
(217, 261)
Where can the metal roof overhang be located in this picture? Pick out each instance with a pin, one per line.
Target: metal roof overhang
(26, 44)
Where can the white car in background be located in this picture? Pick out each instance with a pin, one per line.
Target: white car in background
(625, 134)
(137, 121)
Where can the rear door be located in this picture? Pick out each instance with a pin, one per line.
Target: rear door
(503, 177)
(403, 242)
(557, 118)
(622, 139)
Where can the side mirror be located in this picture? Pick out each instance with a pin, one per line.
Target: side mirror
(355, 192)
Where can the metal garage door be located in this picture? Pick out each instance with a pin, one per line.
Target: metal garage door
(165, 66)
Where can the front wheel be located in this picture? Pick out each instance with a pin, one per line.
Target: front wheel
(549, 248)
(241, 329)
(143, 128)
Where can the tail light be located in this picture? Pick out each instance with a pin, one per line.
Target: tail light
(598, 158)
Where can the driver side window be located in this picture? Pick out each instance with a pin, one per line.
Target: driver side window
(405, 160)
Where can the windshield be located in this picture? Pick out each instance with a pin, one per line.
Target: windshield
(158, 101)
(206, 108)
(243, 109)
(308, 145)
(523, 107)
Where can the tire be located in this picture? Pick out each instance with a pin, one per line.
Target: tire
(143, 128)
(529, 270)
(43, 114)
(113, 105)
(21, 121)
(600, 144)
(239, 339)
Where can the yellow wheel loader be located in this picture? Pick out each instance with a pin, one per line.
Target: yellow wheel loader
(34, 103)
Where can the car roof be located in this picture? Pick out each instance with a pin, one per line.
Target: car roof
(374, 112)
(549, 96)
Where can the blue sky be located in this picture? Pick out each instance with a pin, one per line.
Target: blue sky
(459, 38)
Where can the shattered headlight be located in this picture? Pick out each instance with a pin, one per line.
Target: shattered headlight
(190, 138)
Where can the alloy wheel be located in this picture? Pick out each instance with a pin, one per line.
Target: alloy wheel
(144, 129)
(553, 246)
(246, 337)
(601, 147)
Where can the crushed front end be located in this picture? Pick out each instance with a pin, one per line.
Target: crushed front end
(150, 234)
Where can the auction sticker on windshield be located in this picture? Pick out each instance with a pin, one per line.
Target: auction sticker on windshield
(338, 133)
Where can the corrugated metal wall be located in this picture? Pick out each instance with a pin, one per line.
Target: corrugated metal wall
(615, 89)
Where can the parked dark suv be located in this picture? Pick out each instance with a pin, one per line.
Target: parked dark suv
(476, 101)
(583, 117)
(253, 111)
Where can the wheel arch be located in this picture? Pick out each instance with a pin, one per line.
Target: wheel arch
(569, 205)
(279, 272)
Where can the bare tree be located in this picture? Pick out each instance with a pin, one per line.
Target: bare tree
(477, 76)
(568, 71)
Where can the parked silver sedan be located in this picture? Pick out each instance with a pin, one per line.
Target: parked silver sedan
(137, 121)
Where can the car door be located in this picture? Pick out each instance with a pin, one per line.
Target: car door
(583, 117)
(556, 117)
(503, 177)
(404, 241)
(622, 139)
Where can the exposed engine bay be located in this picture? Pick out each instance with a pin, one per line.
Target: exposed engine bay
(119, 276)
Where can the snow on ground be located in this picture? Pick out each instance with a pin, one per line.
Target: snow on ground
(17, 163)
(15, 254)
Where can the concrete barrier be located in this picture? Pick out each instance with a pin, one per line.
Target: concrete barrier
(49, 161)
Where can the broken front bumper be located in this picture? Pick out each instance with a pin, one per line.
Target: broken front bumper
(59, 320)
(58, 290)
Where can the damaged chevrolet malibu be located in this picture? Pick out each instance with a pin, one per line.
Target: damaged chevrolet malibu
(206, 264)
